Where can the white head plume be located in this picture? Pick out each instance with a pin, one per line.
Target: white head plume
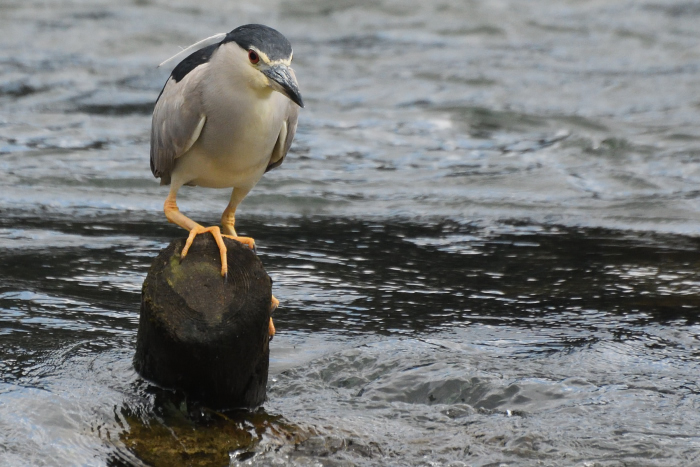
(194, 47)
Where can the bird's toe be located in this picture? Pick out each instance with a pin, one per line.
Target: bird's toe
(271, 329)
(247, 241)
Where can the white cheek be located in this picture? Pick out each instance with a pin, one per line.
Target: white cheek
(261, 80)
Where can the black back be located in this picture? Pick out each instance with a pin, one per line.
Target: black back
(190, 63)
(193, 61)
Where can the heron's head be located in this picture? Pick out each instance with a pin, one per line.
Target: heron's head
(269, 54)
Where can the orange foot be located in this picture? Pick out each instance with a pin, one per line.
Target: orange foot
(216, 233)
(274, 303)
(247, 241)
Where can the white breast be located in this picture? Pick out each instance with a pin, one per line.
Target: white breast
(243, 121)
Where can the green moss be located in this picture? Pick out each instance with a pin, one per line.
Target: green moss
(202, 437)
(179, 275)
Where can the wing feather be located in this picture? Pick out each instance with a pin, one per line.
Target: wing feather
(178, 120)
(286, 136)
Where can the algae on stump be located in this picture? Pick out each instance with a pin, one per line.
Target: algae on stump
(202, 333)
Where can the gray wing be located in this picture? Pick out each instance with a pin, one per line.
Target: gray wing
(284, 140)
(178, 119)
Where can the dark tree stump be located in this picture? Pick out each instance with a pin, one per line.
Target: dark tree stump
(203, 334)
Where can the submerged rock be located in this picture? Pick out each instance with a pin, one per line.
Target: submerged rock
(176, 432)
(202, 333)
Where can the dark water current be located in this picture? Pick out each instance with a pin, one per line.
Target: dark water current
(485, 238)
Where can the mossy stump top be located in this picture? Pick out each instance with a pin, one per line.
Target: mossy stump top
(204, 334)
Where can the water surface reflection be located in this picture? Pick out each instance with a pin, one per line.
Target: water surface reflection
(396, 340)
(483, 236)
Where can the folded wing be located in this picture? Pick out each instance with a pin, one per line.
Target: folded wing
(284, 140)
(178, 119)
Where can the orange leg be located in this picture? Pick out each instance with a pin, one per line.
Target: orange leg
(176, 217)
(228, 219)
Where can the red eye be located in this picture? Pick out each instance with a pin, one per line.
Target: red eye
(253, 56)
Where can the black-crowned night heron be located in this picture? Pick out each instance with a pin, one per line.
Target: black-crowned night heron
(226, 115)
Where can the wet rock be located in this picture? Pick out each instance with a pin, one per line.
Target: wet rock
(176, 433)
(202, 333)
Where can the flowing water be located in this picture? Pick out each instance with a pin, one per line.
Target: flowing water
(484, 238)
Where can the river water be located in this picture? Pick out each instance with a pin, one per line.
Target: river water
(484, 238)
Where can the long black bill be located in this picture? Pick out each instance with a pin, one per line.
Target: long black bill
(284, 77)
